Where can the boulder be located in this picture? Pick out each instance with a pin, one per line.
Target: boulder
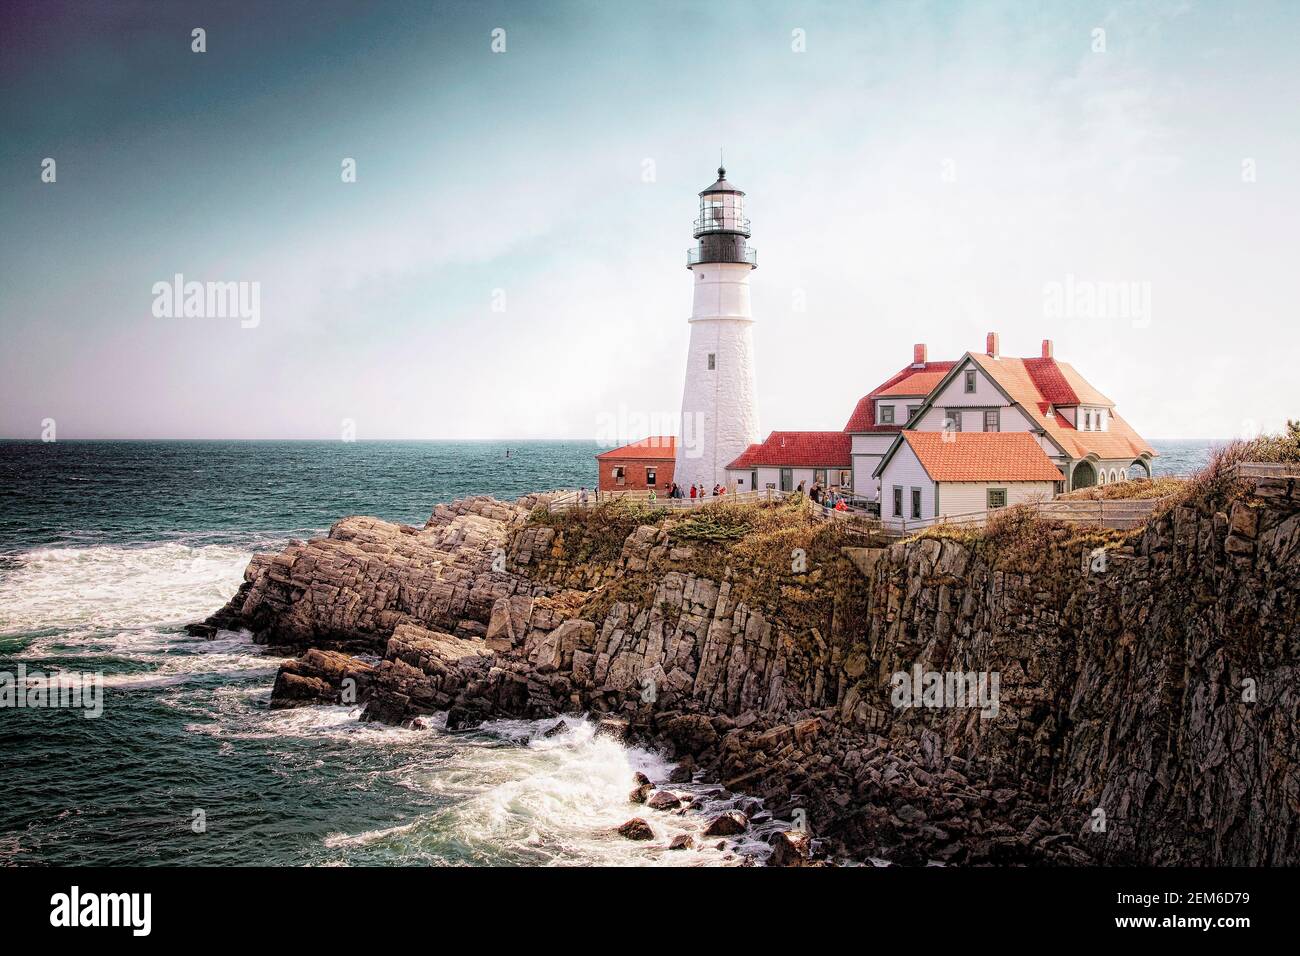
(790, 848)
(663, 800)
(727, 824)
(636, 829)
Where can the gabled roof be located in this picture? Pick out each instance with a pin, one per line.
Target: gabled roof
(978, 456)
(654, 448)
(1036, 387)
(797, 450)
(912, 380)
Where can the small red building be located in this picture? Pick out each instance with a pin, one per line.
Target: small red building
(644, 464)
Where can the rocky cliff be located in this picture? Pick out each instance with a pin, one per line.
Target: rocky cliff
(1139, 698)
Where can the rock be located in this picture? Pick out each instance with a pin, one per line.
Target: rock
(727, 824)
(555, 729)
(322, 677)
(612, 727)
(663, 800)
(790, 848)
(683, 841)
(636, 829)
(682, 773)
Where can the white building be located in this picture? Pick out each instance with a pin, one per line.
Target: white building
(934, 474)
(971, 423)
(786, 461)
(883, 412)
(719, 414)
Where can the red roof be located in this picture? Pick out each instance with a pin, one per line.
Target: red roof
(982, 456)
(654, 448)
(910, 381)
(1050, 381)
(798, 450)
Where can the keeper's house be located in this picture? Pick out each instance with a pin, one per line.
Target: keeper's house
(1052, 432)
(640, 466)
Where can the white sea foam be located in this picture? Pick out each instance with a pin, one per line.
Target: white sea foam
(513, 795)
(106, 587)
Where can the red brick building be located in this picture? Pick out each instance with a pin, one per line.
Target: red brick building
(644, 464)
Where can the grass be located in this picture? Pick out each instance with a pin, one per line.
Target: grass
(775, 554)
(1139, 490)
(1216, 485)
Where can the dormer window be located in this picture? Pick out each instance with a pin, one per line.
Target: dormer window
(970, 382)
(886, 414)
(1087, 420)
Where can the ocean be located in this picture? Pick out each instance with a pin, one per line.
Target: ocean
(108, 548)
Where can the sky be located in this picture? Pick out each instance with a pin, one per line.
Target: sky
(510, 259)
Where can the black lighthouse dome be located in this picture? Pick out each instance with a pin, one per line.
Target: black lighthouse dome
(722, 229)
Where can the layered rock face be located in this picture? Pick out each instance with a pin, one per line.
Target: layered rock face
(352, 588)
(1125, 726)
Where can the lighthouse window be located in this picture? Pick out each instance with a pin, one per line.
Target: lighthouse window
(713, 361)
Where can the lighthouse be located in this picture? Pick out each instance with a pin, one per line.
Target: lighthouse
(719, 416)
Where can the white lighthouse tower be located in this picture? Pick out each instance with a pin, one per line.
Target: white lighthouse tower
(719, 417)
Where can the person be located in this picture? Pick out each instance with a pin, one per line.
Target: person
(653, 498)
(722, 489)
(815, 493)
(582, 495)
(841, 506)
(800, 488)
(715, 489)
(692, 490)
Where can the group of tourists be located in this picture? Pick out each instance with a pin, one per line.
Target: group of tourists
(830, 500)
(696, 491)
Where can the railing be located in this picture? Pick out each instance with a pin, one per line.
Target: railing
(1267, 469)
(1117, 513)
(695, 256)
(722, 224)
(573, 499)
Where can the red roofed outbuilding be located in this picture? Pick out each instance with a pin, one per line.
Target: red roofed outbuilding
(642, 465)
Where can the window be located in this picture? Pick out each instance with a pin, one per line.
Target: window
(970, 382)
(898, 501)
(650, 477)
(912, 410)
(916, 502)
(753, 480)
(819, 477)
(992, 420)
(713, 361)
(846, 478)
(997, 498)
(787, 479)
(952, 420)
(618, 474)
(886, 414)
(1087, 420)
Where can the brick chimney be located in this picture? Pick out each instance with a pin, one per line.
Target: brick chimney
(1047, 348)
(918, 354)
(991, 345)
